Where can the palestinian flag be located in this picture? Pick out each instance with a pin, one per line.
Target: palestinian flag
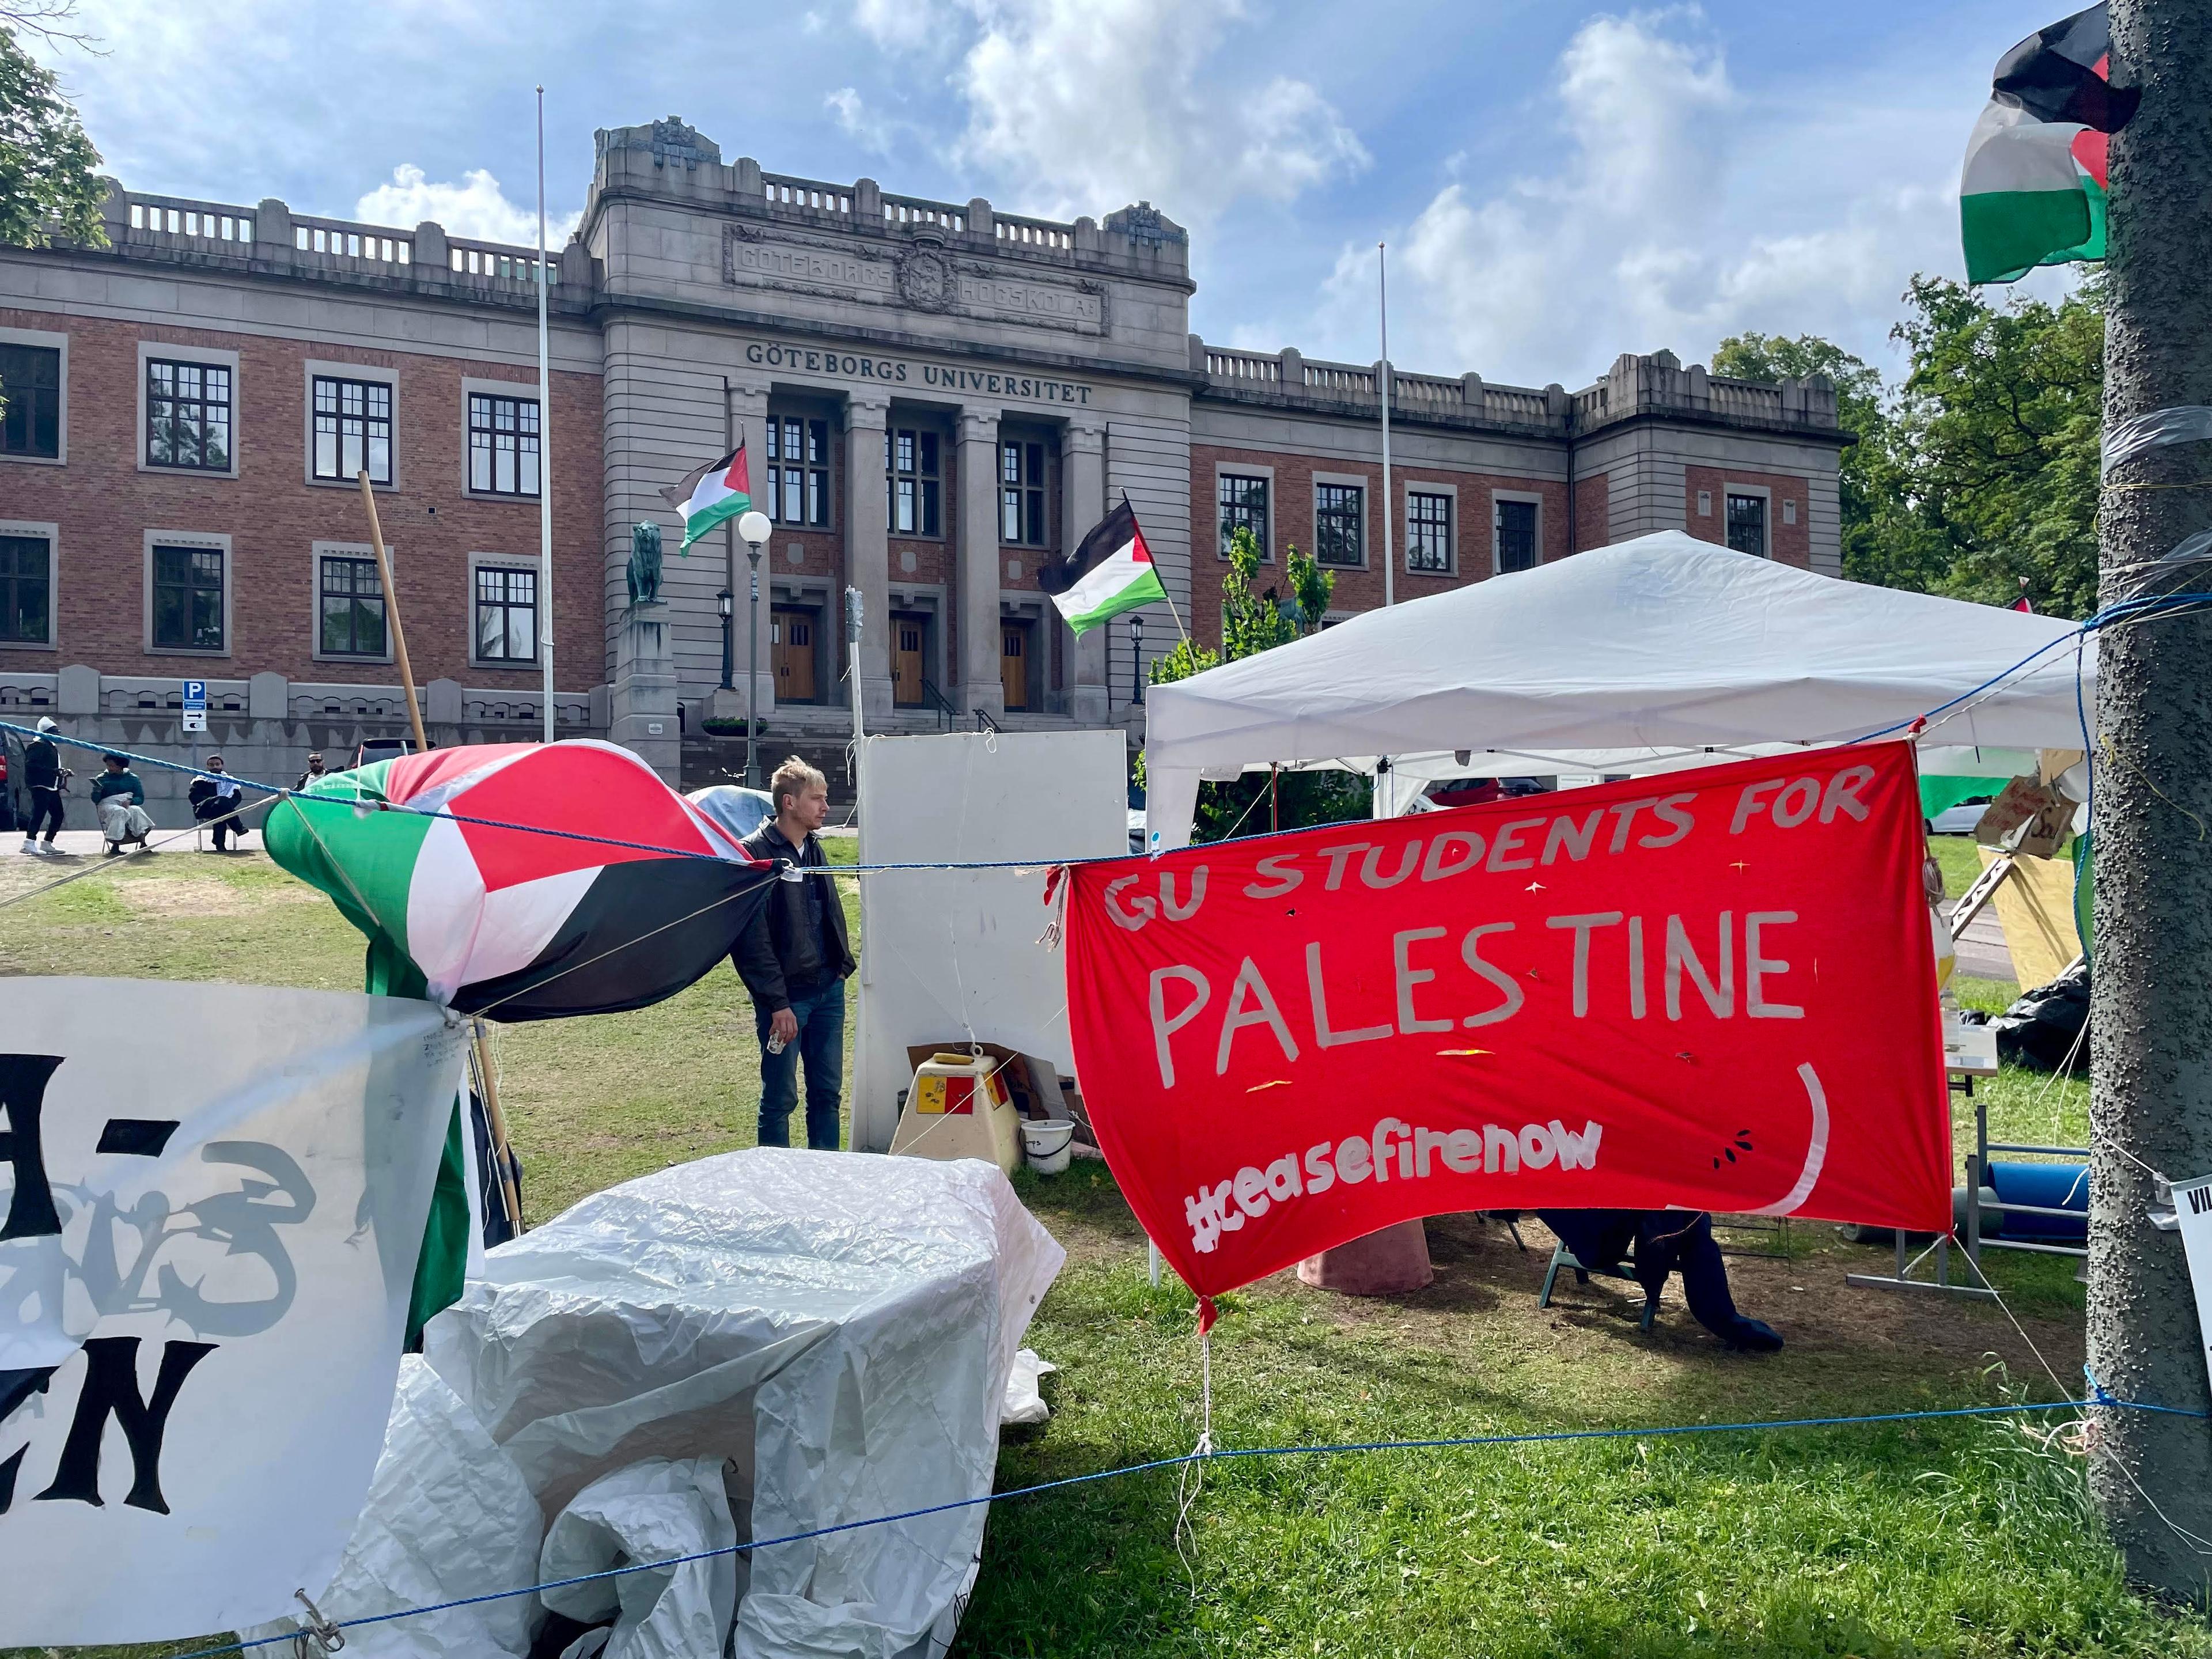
(493, 915)
(500, 917)
(2034, 190)
(711, 494)
(1111, 572)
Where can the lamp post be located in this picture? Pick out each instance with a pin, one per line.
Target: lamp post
(727, 604)
(753, 528)
(1136, 659)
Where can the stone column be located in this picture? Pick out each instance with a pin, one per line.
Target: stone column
(1083, 485)
(981, 686)
(868, 551)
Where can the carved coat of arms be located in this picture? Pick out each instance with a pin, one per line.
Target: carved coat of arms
(925, 280)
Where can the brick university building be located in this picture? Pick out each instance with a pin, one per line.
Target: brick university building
(935, 397)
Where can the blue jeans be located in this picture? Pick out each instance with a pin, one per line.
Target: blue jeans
(821, 1043)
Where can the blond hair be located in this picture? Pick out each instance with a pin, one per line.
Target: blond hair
(794, 777)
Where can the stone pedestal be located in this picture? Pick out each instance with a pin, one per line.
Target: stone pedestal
(643, 700)
(1385, 1263)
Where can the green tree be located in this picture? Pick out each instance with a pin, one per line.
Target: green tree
(1253, 621)
(1995, 447)
(50, 183)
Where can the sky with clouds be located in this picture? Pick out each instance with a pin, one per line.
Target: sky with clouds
(1556, 183)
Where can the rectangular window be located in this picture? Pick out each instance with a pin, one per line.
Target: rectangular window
(1021, 493)
(503, 444)
(188, 598)
(31, 380)
(1514, 524)
(26, 590)
(914, 501)
(1336, 524)
(1241, 504)
(506, 614)
(352, 608)
(188, 415)
(799, 470)
(1747, 524)
(1428, 533)
(353, 429)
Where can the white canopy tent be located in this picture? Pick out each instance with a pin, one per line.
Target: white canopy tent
(1650, 652)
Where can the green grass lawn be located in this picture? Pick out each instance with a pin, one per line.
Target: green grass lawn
(1959, 1537)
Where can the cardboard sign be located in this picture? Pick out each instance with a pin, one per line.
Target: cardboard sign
(1714, 990)
(2192, 1207)
(211, 1201)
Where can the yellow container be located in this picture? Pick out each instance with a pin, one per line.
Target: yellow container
(958, 1107)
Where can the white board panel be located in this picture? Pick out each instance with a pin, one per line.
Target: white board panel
(948, 955)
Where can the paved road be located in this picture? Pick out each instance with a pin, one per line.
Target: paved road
(1982, 950)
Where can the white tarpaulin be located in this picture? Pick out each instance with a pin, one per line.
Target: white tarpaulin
(952, 954)
(215, 1196)
(1661, 644)
(838, 1329)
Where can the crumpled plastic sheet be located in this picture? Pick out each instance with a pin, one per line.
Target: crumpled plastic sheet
(1024, 1404)
(2184, 424)
(447, 1516)
(655, 1510)
(840, 1328)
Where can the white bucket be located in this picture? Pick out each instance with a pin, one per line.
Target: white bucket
(1045, 1143)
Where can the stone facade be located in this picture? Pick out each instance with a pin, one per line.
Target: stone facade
(958, 393)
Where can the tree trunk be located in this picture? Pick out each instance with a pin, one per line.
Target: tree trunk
(2153, 974)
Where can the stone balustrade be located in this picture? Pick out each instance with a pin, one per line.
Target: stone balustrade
(270, 238)
(1653, 384)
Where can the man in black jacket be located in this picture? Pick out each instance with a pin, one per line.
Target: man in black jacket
(795, 959)
(43, 776)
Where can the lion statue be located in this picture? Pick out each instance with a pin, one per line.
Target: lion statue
(645, 563)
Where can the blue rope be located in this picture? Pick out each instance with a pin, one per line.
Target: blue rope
(366, 804)
(2123, 611)
(2098, 1396)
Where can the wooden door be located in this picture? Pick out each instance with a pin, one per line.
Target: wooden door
(1014, 662)
(906, 661)
(793, 635)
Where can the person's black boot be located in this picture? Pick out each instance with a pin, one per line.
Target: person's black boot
(1753, 1336)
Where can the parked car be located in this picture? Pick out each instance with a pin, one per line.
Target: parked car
(373, 750)
(1136, 830)
(1958, 820)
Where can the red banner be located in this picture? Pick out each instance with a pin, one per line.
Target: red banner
(1713, 990)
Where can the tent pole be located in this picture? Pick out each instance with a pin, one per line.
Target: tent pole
(392, 610)
(501, 1148)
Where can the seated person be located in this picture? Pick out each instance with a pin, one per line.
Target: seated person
(216, 801)
(120, 800)
(1666, 1241)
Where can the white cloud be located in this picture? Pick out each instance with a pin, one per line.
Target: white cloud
(872, 132)
(476, 207)
(1683, 207)
(898, 25)
(1083, 105)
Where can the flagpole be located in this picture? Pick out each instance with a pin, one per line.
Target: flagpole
(1382, 388)
(545, 440)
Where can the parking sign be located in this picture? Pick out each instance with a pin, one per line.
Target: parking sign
(195, 706)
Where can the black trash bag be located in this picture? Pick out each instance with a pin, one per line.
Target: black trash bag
(2043, 1028)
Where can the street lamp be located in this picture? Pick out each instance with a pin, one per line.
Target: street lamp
(753, 528)
(1136, 659)
(725, 605)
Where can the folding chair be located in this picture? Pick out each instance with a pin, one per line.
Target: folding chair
(1563, 1257)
